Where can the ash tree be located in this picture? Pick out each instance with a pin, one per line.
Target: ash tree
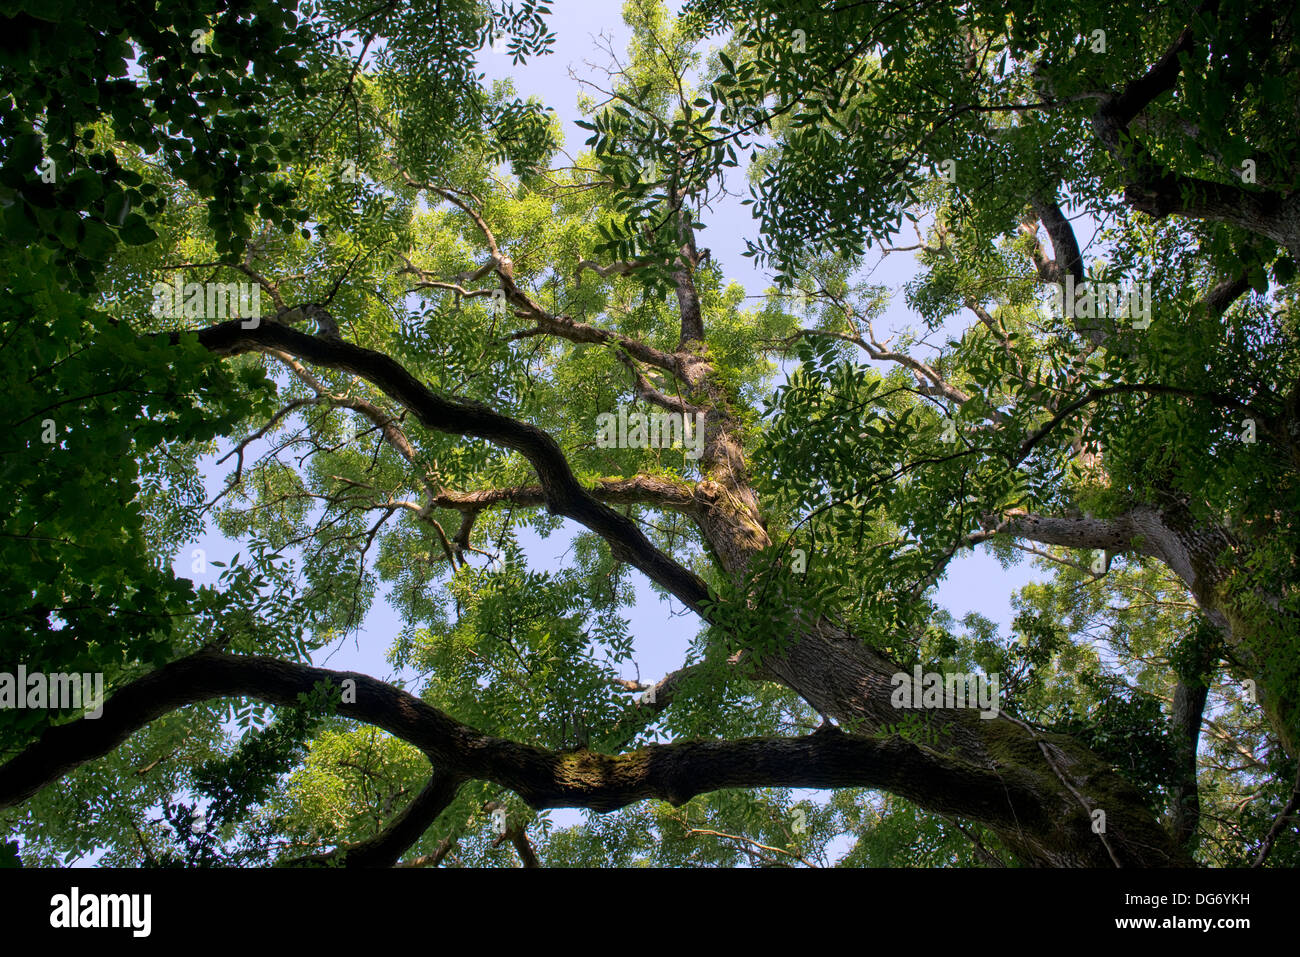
(451, 303)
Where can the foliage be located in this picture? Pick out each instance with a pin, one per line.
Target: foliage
(348, 158)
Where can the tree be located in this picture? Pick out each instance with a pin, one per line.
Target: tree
(429, 377)
(1020, 110)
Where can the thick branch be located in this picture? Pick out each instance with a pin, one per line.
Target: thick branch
(1158, 192)
(519, 838)
(384, 849)
(644, 389)
(563, 493)
(1142, 531)
(1067, 260)
(671, 772)
(1185, 799)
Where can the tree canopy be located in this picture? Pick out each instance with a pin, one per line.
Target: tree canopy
(307, 256)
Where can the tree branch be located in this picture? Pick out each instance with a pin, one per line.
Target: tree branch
(384, 849)
(561, 489)
(1278, 824)
(1067, 261)
(638, 490)
(671, 772)
(1158, 192)
(645, 389)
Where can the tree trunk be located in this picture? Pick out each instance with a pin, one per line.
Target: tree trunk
(1060, 805)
